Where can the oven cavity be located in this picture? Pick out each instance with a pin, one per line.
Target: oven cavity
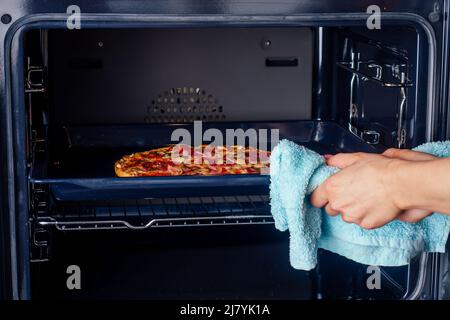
(331, 89)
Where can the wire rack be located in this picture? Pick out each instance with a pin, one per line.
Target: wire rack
(157, 213)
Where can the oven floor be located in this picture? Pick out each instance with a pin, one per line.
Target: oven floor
(187, 263)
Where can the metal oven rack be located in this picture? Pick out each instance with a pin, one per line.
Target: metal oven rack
(156, 213)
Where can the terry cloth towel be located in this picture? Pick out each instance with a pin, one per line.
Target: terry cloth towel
(296, 171)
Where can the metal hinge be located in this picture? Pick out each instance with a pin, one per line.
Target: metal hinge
(369, 136)
(39, 251)
(39, 199)
(398, 72)
(401, 131)
(35, 79)
(401, 139)
(39, 235)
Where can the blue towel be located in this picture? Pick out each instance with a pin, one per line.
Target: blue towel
(296, 171)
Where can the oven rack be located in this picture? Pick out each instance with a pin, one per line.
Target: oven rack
(156, 213)
(383, 74)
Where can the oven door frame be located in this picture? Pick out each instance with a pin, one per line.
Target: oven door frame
(14, 215)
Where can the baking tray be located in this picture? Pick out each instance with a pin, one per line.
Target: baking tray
(80, 162)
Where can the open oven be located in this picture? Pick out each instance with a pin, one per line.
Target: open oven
(78, 100)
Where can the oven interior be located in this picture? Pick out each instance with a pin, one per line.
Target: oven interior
(94, 95)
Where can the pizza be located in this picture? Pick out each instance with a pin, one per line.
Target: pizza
(183, 160)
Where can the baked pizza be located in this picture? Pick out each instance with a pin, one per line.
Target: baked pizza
(206, 160)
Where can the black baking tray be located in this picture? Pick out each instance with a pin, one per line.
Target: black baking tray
(80, 162)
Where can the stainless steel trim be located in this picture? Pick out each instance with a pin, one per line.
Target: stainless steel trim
(349, 66)
(415, 294)
(158, 223)
(19, 26)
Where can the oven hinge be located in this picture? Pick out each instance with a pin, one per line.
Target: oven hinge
(369, 136)
(397, 72)
(35, 83)
(40, 249)
(401, 130)
(35, 78)
(39, 235)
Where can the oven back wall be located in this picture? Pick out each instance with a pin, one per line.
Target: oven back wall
(180, 75)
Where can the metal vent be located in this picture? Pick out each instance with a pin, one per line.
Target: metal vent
(184, 104)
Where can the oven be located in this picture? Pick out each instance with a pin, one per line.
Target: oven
(75, 98)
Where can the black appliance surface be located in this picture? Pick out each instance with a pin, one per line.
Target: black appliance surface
(311, 69)
(175, 74)
(236, 263)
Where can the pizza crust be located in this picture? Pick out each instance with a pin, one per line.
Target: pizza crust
(119, 172)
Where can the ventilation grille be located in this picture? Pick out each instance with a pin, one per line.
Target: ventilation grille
(185, 104)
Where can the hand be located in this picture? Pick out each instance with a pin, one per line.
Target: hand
(321, 197)
(410, 155)
(360, 191)
(345, 159)
(412, 215)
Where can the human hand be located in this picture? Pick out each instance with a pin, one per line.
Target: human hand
(360, 191)
(358, 211)
(409, 155)
(343, 160)
(412, 215)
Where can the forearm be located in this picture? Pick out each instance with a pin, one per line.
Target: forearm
(421, 184)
